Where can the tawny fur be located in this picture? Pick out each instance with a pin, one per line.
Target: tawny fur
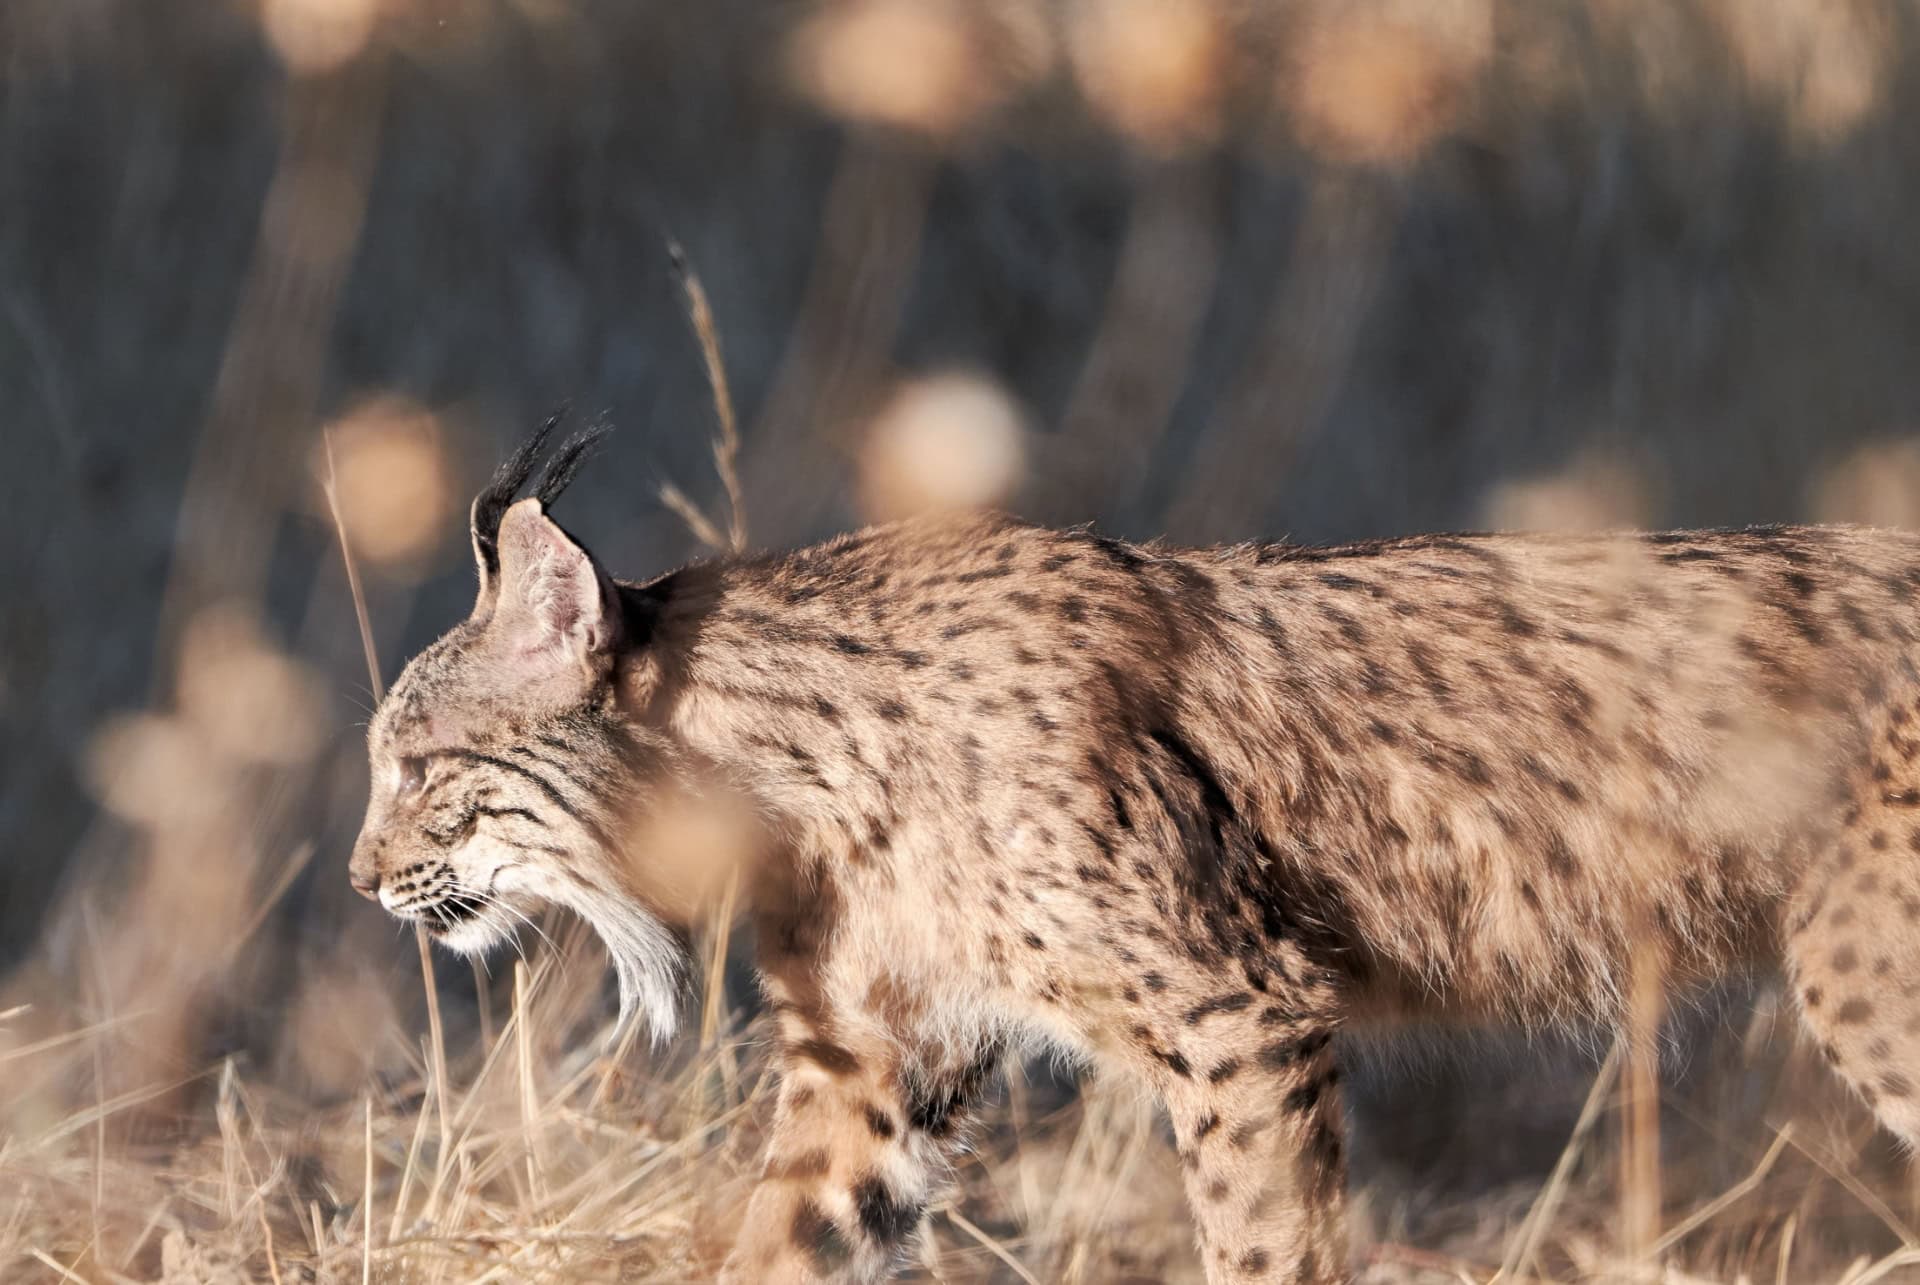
(1186, 813)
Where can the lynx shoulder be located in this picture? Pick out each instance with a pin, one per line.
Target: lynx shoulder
(1187, 813)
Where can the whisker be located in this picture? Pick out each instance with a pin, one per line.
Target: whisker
(491, 899)
(513, 931)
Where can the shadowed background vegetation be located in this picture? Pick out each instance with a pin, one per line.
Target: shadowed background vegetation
(1212, 270)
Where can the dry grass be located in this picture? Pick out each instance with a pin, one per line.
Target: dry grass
(528, 1150)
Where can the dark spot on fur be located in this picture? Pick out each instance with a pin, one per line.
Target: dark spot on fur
(934, 1109)
(1246, 1133)
(879, 1121)
(883, 1215)
(1512, 622)
(1284, 1053)
(815, 1233)
(828, 1056)
(1175, 1063)
(1307, 1096)
(1231, 1002)
(1349, 627)
(1560, 858)
(1853, 1011)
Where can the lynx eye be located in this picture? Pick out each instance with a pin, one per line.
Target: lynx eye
(412, 775)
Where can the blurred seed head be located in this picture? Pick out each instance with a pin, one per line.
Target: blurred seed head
(1761, 785)
(250, 701)
(1598, 491)
(318, 35)
(241, 701)
(390, 477)
(686, 847)
(1151, 67)
(943, 442)
(1826, 63)
(338, 1027)
(924, 66)
(1379, 82)
(1878, 485)
(155, 770)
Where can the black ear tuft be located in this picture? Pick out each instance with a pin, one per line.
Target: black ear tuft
(512, 475)
(567, 461)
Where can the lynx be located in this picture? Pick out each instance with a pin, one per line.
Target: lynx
(1187, 814)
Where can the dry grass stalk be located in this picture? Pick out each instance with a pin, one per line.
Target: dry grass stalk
(1525, 1245)
(1728, 1198)
(366, 1203)
(726, 440)
(354, 590)
(1640, 1200)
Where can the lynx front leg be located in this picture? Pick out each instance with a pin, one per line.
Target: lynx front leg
(862, 1141)
(1261, 1143)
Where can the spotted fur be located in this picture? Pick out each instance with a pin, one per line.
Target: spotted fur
(1186, 813)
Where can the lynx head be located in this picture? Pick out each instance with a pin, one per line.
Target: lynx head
(505, 773)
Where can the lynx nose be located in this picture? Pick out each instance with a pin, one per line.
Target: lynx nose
(363, 868)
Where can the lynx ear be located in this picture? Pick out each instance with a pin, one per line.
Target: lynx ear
(551, 596)
(491, 505)
(486, 554)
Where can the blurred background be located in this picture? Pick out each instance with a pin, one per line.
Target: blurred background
(1208, 269)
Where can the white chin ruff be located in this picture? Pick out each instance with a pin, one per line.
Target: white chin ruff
(474, 936)
(647, 961)
(647, 957)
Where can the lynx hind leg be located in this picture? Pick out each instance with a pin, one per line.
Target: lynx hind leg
(1853, 947)
(1261, 1137)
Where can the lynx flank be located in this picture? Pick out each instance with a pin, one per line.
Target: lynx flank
(1185, 813)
